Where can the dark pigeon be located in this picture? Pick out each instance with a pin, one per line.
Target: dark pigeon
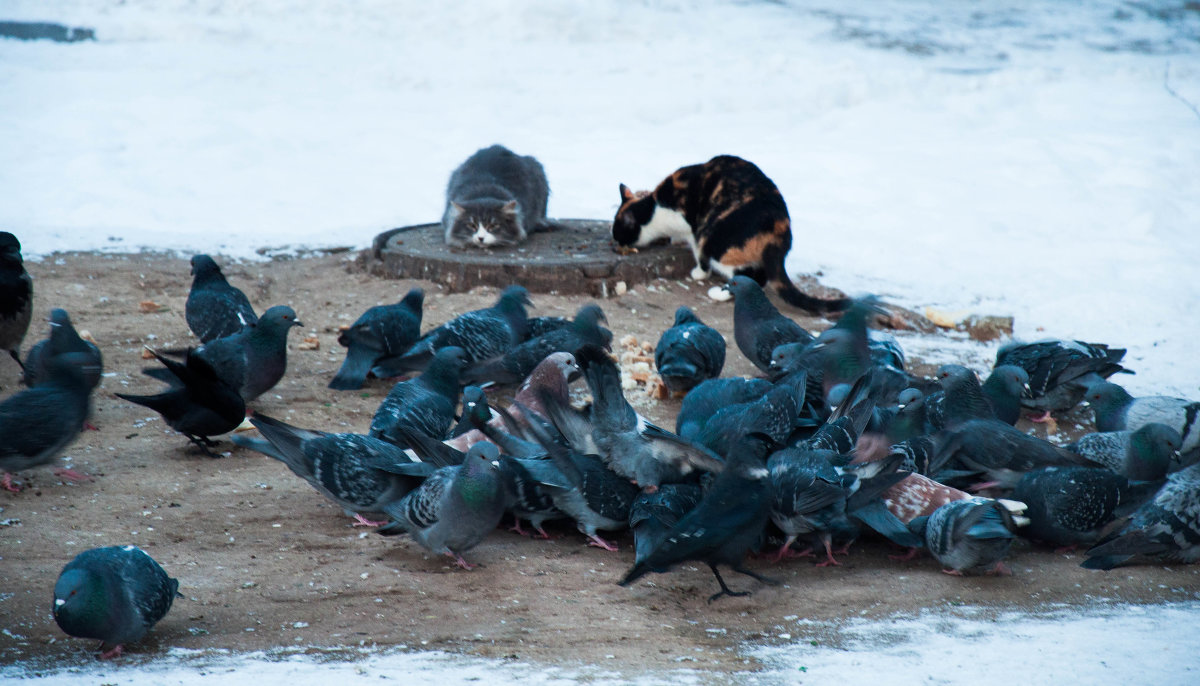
(1004, 388)
(425, 404)
(962, 398)
(999, 451)
(653, 515)
(199, 404)
(214, 309)
(758, 327)
(16, 296)
(114, 594)
(1143, 455)
(629, 444)
(1165, 530)
(724, 525)
(359, 473)
(38, 423)
(1117, 410)
(382, 332)
(689, 352)
(776, 414)
(482, 334)
(1069, 506)
(706, 399)
(63, 339)
(1060, 371)
(537, 326)
(455, 508)
(513, 365)
(969, 536)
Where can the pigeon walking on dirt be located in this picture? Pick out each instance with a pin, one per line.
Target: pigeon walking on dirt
(63, 338)
(455, 508)
(1117, 410)
(689, 352)
(382, 332)
(114, 594)
(426, 403)
(215, 309)
(1143, 455)
(38, 423)
(513, 365)
(482, 334)
(1069, 506)
(969, 536)
(1060, 371)
(198, 404)
(1164, 530)
(724, 525)
(758, 327)
(16, 296)
(706, 399)
(359, 473)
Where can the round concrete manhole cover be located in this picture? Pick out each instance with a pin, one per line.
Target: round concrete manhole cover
(579, 257)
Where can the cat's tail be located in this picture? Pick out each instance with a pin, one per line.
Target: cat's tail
(797, 298)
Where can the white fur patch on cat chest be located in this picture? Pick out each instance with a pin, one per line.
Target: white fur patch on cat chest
(666, 223)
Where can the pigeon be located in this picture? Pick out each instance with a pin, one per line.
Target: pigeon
(482, 334)
(381, 332)
(597, 499)
(652, 515)
(1069, 506)
(705, 399)
(1004, 388)
(1164, 530)
(1143, 455)
(359, 473)
(214, 309)
(115, 594)
(1002, 452)
(969, 536)
(252, 360)
(537, 326)
(16, 296)
(775, 414)
(455, 508)
(1117, 410)
(38, 423)
(1060, 371)
(629, 444)
(689, 352)
(63, 339)
(513, 365)
(962, 398)
(758, 327)
(426, 403)
(199, 404)
(724, 525)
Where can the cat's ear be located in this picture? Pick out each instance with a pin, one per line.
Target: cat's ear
(509, 207)
(626, 193)
(458, 209)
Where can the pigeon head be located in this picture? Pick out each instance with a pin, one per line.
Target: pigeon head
(684, 315)
(80, 602)
(481, 465)
(909, 396)
(280, 317)
(475, 404)
(744, 287)
(590, 315)
(514, 295)
(1108, 401)
(414, 299)
(1155, 451)
(590, 354)
(204, 266)
(784, 357)
(1011, 378)
(10, 248)
(956, 372)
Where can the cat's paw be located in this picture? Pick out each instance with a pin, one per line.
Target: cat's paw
(719, 293)
(698, 274)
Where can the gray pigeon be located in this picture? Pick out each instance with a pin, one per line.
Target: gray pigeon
(115, 594)
(38, 423)
(1143, 455)
(382, 332)
(689, 352)
(1004, 388)
(1060, 371)
(1002, 452)
(16, 296)
(425, 404)
(455, 508)
(1164, 530)
(513, 365)
(360, 473)
(482, 334)
(1116, 410)
(214, 309)
(962, 398)
(1069, 506)
(706, 399)
(63, 339)
(653, 515)
(758, 327)
(969, 536)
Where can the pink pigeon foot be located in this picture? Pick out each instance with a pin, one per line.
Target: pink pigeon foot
(830, 561)
(952, 572)
(458, 560)
(88, 426)
(7, 484)
(71, 475)
(911, 554)
(1000, 569)
(360, 520)
(110, 654)
(598, 542)
(516, 528)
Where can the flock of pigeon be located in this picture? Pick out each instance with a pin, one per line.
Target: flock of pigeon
(835, 440)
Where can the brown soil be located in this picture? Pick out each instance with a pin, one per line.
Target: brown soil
(264, 561)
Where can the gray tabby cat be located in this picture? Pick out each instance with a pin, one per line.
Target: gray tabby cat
(495, 198)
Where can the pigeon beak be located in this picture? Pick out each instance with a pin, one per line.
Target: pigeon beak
(297, 322)
(244, 426)
(495, 463)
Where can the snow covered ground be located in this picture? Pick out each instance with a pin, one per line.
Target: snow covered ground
(1039, 159)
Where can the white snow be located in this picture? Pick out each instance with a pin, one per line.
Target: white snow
(1038, 159)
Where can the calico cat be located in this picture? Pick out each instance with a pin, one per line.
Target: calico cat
(495, 198)
(733, 218)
